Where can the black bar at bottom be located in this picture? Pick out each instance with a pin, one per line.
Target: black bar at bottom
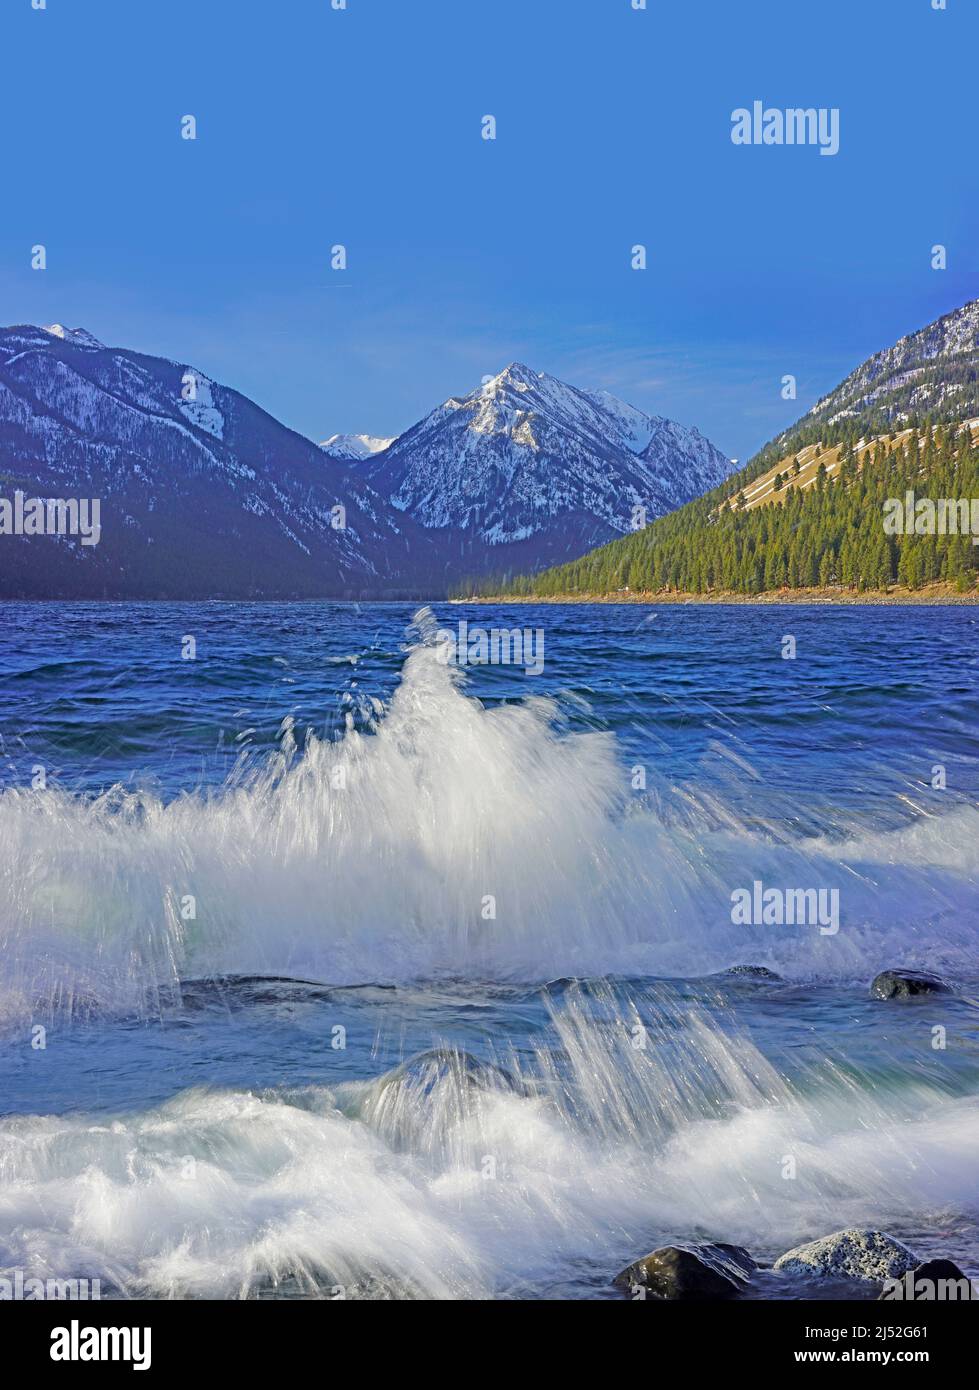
(286, 1337)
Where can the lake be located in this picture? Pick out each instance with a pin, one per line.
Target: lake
(255, 857)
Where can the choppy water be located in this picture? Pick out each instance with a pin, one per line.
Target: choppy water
(255, 882)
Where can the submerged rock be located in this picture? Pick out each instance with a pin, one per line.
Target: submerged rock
(690, 1272)
(423, 1105)
(438, 1066)
(935, 1280)
(901, 984)
(850, 1254)
(753, 972)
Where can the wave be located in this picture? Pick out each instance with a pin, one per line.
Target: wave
(444, 837)
(543, 1174)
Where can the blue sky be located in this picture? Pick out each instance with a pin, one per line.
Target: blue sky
(363, 127)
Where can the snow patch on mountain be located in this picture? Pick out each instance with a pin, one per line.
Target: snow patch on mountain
(197, 403)
(635, 427)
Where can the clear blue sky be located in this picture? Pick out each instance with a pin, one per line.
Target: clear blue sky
(362, 127)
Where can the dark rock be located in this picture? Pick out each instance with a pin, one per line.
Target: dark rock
(850, 1254)
(753, 972)
(690, 1272)
(901, 984)
(935, 1280)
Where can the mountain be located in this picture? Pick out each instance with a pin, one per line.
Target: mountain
(527, 469)
(808, 509)
(934, 371)
(353, 447)
(202, 494)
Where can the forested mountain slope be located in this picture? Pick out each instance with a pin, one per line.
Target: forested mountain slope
(811, 508)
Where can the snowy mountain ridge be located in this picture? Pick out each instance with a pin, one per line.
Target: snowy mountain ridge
(527, 455)
(933, 369)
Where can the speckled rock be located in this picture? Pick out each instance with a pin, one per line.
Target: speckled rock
(690, 1272)
(901, 984)
(850, 1254)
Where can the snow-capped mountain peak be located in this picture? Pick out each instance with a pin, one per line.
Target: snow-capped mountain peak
(526, 458)
(518, 399)
(515, 377)
(354, 446)
(78, 337)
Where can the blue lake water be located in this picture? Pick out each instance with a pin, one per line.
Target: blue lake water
(239, 890)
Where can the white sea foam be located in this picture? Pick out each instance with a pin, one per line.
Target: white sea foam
(373, 857)
(446, 1179)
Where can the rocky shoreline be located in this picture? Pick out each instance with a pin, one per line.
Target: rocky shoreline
(856, 1261)
(933, 595)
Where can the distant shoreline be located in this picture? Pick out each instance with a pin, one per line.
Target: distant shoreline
(934, 595)
(931, 595)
